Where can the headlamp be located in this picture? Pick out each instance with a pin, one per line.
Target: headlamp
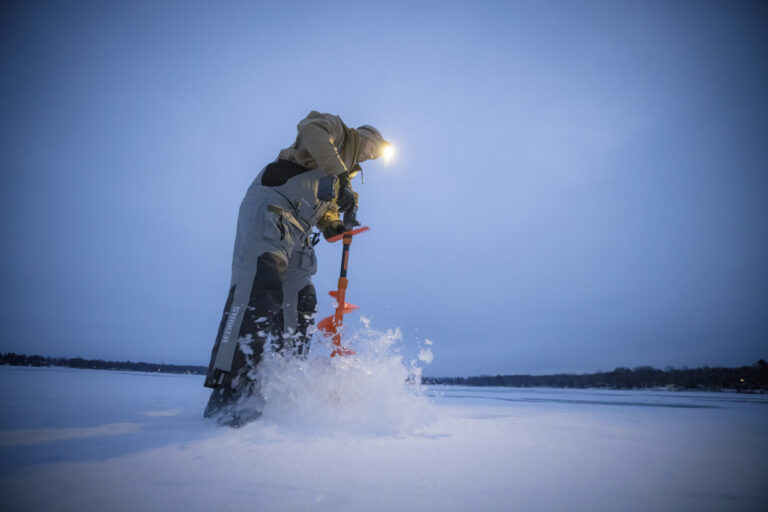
(387, 152)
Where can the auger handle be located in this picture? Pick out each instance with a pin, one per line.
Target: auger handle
(353, 232)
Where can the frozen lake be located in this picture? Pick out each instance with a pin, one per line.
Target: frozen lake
(97, 440)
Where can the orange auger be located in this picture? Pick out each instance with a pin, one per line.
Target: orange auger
(331, 325)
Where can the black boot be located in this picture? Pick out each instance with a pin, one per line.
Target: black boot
(220, 399)
(245, 406)
(234, 407)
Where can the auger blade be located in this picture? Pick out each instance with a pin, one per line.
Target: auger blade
(327, 325)
(343, 351)
(347, 307)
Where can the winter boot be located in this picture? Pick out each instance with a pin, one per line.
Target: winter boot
(246, 406)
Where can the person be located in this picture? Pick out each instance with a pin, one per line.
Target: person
(308, 185)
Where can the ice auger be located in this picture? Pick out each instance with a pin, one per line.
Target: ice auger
(331, 325)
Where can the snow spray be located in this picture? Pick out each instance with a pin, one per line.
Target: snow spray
(373, 391)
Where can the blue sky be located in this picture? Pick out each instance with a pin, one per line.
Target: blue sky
(578, 185)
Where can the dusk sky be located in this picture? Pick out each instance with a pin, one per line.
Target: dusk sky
(577, 185)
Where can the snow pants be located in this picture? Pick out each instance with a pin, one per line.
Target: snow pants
(290, 330)
(270, 290)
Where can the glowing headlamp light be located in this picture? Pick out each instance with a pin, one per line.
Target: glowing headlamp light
(387, 152)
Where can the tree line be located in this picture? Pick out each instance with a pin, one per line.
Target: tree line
(97, 364)
(745, 378)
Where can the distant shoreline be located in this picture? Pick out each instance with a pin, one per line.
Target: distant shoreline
(747, 379)
(13, 359)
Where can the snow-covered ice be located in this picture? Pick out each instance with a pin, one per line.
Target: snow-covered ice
(101, 440)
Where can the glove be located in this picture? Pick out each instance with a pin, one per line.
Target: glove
(346, 200)
(334, 228)
(350, 219)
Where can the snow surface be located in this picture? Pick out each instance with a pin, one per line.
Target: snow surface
(102, 440)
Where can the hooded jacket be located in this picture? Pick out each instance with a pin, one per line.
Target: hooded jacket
(324, 141)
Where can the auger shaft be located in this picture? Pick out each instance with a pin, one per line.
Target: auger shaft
(332, 325)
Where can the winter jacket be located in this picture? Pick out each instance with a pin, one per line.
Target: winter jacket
(324, 141)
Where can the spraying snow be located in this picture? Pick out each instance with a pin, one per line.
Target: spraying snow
(372, 391)
(425, 355)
